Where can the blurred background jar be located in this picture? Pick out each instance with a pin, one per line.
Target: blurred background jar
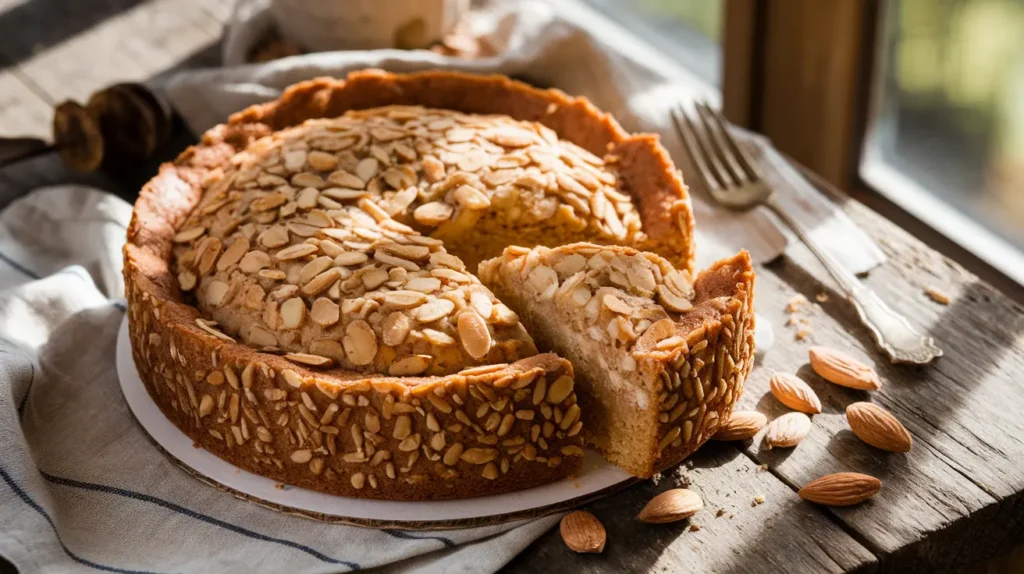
(324, 25)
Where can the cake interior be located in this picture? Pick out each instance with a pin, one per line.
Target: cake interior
(594, 306)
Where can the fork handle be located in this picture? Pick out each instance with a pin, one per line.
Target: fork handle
(891, 330)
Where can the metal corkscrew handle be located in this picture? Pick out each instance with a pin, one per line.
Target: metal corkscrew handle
(891, 330)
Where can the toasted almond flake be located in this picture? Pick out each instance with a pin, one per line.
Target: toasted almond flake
(293, 312)
(360, 342)
(189, 234)
(411, 365)
(434, 310)
(616, 305)
(475, 335)
(309, 359)
(324, 312)
(470, 198)
(396, 328)
(296, 251)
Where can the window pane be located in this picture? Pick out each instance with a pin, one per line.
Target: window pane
(952, 117)
(687, 30)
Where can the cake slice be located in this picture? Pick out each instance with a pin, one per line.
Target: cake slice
(659, 360)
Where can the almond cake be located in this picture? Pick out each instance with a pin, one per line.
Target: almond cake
(302, 296)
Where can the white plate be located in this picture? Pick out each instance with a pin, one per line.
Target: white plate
(597, 477)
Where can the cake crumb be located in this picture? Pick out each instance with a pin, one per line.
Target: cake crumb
(720, 513)
(682, 479)
(937, 295)
(762, 468)
(758, 500)
(802, 334)
(279, 486)
(821, 297)
(796, 303)
(694, 528)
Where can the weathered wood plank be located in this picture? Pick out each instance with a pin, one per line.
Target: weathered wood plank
(953, 500)
(129, 46)
(22, 111)
(781, 535)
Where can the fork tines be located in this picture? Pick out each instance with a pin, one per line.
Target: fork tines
(720, 160)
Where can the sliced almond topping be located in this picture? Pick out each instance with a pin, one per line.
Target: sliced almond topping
(398, 261)
(233, 253)
(423, 284)
(261, 337)
(343, 193)
(274, 237)
(410, 252)
(293, 312)
(470, 198)
(351, 258)
(308, 359)
(616, 305)
(296, 251)
(189, 234)
(343, 178)
(187, 280)
(367, 168)
(404, 299)
(475, 335)
(411, 365)
(396, 329)
(434, 310)
(321, 282)
(314, 268)
(322, 161)
(216, 293)
(360, 342)
(324, 312)
(433, 213)
(671, 301)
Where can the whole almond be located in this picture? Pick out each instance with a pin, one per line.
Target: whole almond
(670, 506)
(878, 427)
(842, 369)
(793, 392)
(583, 532)
(740, 425)
(841, 489)
(787, 430)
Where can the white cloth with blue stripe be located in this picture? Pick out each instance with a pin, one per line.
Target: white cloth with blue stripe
(83, 489)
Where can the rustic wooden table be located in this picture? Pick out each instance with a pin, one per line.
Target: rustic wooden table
(952, 502)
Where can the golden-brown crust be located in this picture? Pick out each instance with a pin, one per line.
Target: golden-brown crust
(197, 376)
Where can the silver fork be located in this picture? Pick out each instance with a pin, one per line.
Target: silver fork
(735, 181)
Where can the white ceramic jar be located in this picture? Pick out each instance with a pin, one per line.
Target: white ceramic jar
(323, 25)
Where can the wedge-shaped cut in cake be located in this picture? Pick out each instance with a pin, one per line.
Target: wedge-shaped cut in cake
(659, 360)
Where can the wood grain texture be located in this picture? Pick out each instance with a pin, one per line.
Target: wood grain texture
(782, 534)
(954, 499)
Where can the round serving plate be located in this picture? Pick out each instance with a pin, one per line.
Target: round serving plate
(597, 478)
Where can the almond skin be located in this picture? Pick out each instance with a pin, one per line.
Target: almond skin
(741, 425)
(787, 430)
(670, 506)
(841, 489)
(583, 532)
(878, 427)
(842, 369)
(796, 394)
